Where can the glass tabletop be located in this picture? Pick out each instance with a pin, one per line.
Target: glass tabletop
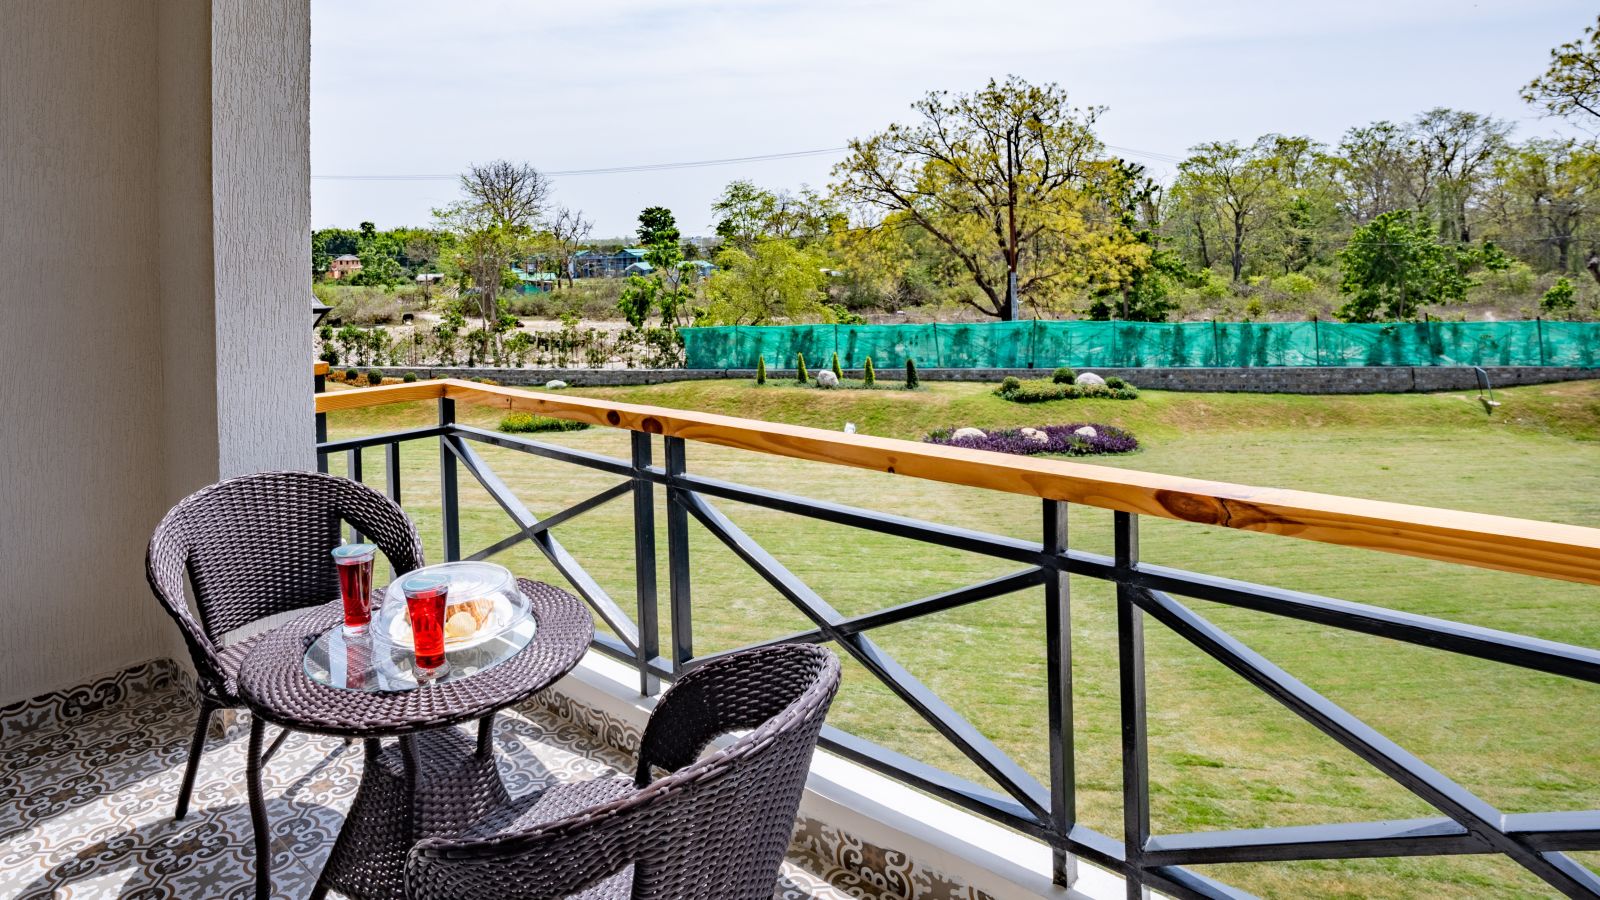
(371, 663)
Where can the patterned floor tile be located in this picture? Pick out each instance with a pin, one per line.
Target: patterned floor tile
(92, 816)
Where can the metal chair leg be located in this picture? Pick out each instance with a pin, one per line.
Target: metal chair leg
(258, 810)
(197, 747)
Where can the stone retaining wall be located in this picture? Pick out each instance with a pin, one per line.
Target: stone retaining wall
(1347, 380)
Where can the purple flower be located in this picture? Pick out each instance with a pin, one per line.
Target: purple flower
(1107, 439)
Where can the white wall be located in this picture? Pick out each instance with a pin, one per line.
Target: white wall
(154, 254)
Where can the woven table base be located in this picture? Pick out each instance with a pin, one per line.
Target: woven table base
(455, 787)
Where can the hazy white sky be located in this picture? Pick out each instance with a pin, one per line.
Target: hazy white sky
(421, 87)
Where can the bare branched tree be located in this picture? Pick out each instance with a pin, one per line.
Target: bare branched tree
(568, 232)
(494, 223)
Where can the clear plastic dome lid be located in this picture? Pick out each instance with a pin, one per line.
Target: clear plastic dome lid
(482, 601)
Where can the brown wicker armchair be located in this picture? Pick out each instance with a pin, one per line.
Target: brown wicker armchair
(253, 547)
(714, 828)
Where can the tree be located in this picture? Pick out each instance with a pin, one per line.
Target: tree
(494, 224)
(1230, 187)
(657, 226)
(743, 213)
(1379, 169)
(666, 285)
(1570, 87)
(1395, 264)
(747, 213)
(1547, 188)
(1457, 150)
(568, 231)
(776, 280)
(1142, 295)
(996, 177)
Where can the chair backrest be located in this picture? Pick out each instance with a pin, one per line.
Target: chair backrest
(714, 829)
(258, 545)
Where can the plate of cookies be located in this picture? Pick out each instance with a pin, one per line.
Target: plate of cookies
(482, 602)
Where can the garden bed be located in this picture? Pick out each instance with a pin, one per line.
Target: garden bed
(1076, 439)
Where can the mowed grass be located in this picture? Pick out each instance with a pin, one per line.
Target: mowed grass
(1222, 754)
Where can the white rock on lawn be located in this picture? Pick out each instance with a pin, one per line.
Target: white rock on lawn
(968, 432)
(827, 379)
(555, 384)
(1086, 431)
(1090, 378)
(1035, 435)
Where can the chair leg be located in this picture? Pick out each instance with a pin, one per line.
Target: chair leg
(258, 809)
(277, 742)
(197, 747)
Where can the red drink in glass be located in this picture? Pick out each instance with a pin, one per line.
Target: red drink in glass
(355, 584)
(425, 602)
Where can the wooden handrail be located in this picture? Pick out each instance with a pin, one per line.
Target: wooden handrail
(1524, 546)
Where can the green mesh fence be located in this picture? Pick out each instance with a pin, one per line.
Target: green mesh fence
(1046, 345)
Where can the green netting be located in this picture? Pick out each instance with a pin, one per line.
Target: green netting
(1046, 345)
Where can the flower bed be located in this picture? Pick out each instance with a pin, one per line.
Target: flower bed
(1059, 439)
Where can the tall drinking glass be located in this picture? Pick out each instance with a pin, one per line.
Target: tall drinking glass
(425, 602)
(355, 584)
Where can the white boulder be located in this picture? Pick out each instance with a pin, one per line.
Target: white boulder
(555, 384)
(1089, 378)
(827, 379)
(968, 432)
(1086, 431)
(1035, 435)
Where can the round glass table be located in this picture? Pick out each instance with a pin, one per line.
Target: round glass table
(307, 675)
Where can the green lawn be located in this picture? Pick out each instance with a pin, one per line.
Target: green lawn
(1222, 755)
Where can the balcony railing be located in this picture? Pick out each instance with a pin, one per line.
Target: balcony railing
(1466, 824)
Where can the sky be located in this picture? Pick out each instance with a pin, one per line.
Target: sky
(419, 88)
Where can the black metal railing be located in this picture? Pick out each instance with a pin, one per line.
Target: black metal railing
(1466, 824)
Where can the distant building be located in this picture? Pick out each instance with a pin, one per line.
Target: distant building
(534, 282)
(341, 266)
(624, 262)
(430, 278)
(604, 264)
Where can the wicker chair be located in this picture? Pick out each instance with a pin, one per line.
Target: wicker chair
(253, 547)
(713, 828)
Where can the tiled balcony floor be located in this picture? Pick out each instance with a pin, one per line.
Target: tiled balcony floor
(86, 808)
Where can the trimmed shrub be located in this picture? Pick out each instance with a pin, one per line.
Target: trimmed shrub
(374, 377)
(1063, 375)
(911, 375)
(528, 423)
(409, 377)
(1061, 439)
(1008, 384)
(350, 376)
(800, 373)
(1115, 382)
(761, 370)
(869, 378)
(837, 372)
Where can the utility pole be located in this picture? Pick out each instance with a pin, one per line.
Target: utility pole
(1011, 297)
